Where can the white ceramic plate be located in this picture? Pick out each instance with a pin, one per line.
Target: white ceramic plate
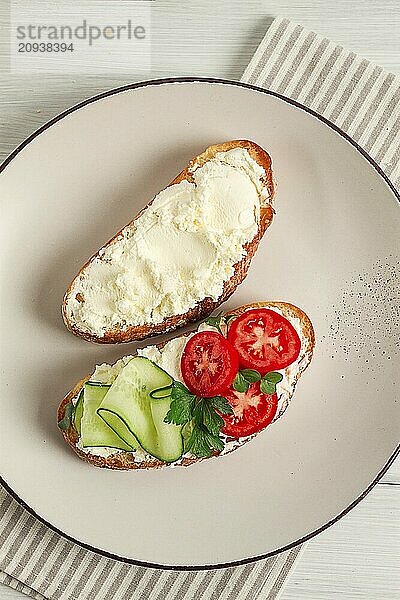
(331, 250)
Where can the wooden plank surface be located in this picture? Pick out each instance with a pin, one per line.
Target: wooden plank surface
(358, 557)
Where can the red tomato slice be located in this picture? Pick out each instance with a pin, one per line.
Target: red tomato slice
(209, 364)
(265, 340)
(253, 411)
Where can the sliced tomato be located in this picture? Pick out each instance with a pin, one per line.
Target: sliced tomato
(209, 364)
(265, 340)
(252, 410)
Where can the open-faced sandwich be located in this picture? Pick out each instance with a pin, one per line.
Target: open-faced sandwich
(199, 395)
(183, 255)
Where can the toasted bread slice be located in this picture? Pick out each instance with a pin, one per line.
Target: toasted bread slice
(126, 460)
(125, 331)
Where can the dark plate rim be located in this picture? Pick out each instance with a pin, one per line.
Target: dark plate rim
(168, 80)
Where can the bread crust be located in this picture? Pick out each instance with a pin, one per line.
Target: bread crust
(125, 460)
(207, 305)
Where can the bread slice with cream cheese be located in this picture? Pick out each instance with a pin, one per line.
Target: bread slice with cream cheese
(167, 356)
(183, 255)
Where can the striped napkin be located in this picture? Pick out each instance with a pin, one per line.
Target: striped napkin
(40, 563)
(357, 96)
(363, 100)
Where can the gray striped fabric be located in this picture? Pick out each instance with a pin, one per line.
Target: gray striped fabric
(42, 564)
(361, 99)
(357, 96)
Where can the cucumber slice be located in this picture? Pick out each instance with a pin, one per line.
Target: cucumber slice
(78, 412)
(131, 411)
(94, 431)
(163, 392)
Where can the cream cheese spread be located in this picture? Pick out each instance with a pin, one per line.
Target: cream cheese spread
(169, 357)
(102, 451)
(180, 250)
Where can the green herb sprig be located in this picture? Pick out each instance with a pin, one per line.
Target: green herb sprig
(66, 421)
(200, 419)
(269, 382)
(218, 320)
(246, 377)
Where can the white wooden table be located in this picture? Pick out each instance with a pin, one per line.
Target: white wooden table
(359, 556)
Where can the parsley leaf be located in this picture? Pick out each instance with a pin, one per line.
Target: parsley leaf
(182, 405)
(215, 322)
(222, 405)
(229, 318)
(66, 421)
(186, 433)
(207, 425)
(218, 320)
(269, 382)
(244, 378)
(202, 443)
(204, 414)
(240, 384)
(201, 420)
(251, 375)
